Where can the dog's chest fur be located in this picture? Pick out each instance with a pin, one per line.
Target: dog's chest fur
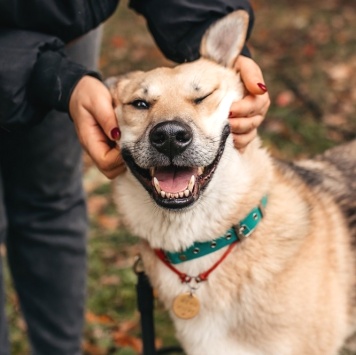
(244, 302)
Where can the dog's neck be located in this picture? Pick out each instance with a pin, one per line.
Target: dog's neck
(229, 198)
(238, 232)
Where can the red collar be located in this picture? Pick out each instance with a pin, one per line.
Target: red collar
(202, 276)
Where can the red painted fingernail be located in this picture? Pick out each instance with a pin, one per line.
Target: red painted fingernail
(262, 87)
(115, 133)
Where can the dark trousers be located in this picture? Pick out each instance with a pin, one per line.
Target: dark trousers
(43, 219)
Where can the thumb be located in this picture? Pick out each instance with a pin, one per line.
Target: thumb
(251, 75)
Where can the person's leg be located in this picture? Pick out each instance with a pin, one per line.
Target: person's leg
(47, 225)
(4, 344)
(4, 341)
(46, 233)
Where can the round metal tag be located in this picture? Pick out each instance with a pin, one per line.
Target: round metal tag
(186, 306)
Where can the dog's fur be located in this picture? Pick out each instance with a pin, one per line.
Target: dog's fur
(289, 289)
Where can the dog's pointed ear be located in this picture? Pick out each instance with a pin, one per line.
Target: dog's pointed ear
(116, 83)
(224, 40)
(112, 83)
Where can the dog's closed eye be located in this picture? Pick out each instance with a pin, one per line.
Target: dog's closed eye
(199, 100)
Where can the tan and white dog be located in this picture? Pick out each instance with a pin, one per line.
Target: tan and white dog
(250, 255)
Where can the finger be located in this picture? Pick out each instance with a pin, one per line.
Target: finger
(245, 125)
(242, 140)
(112, 163)
(96, 143)
(112, 174)
(250, 106)
(107, 159)
(104, 114)
(251, 75)
(245, 107)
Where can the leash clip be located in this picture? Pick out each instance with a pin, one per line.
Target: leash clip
(138, 266)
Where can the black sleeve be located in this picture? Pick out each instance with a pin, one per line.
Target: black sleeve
(34, 77)
(64, 19)
(179, 25)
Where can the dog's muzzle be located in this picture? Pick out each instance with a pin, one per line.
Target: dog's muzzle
(174, 186)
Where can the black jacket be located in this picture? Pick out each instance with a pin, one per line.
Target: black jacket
(35, 75)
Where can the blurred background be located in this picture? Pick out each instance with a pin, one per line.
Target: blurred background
(307, 52)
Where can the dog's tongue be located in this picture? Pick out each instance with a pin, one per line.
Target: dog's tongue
(173, 179)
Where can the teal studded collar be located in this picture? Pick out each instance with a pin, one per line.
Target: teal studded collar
(237, 232)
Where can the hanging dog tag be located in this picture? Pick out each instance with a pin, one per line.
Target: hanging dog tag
(186, 306)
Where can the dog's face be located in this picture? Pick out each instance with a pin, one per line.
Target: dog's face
(174, 125)
(174, 121)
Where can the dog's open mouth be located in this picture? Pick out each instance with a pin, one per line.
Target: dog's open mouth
(172, 186)
(178, 187)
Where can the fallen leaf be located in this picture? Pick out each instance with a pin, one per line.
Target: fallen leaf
(96, 204)
(91, 349)
(339, 72)
(118, 41)
(110, 223)
(109, 280)
(309, 50)
(285, 98)
(92, 318)
(124, 339)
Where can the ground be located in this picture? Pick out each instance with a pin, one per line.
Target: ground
(307, 51)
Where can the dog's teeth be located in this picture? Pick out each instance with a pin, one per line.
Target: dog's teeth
(191, 183)
(186, 193)
(152, 172)
(181, 194)
(200, 170)
(176, 195)
(163, 194)
(168, 195)
(156, 183)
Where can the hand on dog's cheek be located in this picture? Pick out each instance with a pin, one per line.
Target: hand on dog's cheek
(247, 114)
(94, 119)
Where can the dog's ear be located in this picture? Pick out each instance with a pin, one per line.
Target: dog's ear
(116, 83)
(224, 40)
(112, 84)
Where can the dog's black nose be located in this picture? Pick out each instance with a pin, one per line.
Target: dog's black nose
(171, 137)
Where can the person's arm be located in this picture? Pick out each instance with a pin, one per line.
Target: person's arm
(65, 19)
(178, 26)
(34, 77)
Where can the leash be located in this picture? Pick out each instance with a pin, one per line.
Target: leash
(145, 304)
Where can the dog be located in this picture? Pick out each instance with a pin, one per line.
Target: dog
(250, 255)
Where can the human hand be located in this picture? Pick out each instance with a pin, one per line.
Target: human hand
(247, 114)
(94, 118)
